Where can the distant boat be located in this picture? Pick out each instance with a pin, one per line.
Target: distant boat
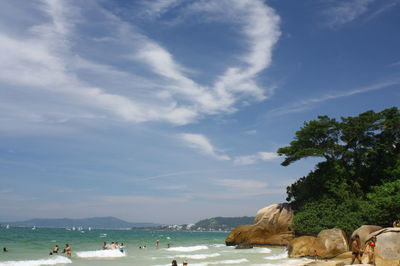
(8, 226)
(34, 228)
(90, 228)
(73, 228)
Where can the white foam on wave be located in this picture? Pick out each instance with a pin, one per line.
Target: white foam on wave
(50, 261)
(218, 245)
(187, 249)
(280, 256)
(108, 253)
(292, 262)
(229, 262)
(197, 256)
(222, 262)
(262, 250)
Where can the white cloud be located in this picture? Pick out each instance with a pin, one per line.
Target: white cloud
(44, 61)
(202, 144)
(128, 199)
(252, 159)
(251, 132)
(309, 103)
(346, 11)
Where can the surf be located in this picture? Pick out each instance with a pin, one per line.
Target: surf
(50, 261)
(108, 253)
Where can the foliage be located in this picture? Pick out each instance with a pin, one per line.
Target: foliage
(361, 155)
(383, 204)
(225, 223)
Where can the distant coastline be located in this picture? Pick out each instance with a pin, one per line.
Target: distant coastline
(215, 224)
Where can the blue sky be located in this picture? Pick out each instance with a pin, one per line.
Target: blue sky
(171, 111)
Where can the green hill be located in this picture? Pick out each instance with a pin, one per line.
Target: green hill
(223, 223)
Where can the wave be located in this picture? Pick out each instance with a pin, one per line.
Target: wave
(218, 245)
(108, 253)
(187, 249)
(50, 261)
(229, 262)
(222, 262)
(280, 256)
(198, 256)
(294, 262)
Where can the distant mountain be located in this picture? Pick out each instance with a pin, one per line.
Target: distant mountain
(96, 222)
(223, 223)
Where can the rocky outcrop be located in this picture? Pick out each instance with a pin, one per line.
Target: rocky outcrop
(363, 232)
(387, 249)
(271, 227)
(328, 244)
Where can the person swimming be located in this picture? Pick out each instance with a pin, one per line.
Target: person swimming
(55, 249)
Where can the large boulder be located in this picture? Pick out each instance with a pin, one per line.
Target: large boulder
(271, 227)
(363, 232)
(328, 244)
(387, 247)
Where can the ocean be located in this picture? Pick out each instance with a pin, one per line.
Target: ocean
(28, 247)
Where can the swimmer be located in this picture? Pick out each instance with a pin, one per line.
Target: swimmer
(105, 245)
(174, 263)
(67, 250)
(5, 249)
(55, 249)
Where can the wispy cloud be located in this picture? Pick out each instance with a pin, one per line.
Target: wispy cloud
(251, 132)
(385, 8)
(128, 199)
(310, 103)
(45, 62)
(202, 144)
(237, 189)
(343, 12)
(252, 159)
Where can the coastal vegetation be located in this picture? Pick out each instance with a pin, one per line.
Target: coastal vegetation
(223, 223)
(358, 179)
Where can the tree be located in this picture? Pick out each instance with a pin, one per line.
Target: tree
(360, 154)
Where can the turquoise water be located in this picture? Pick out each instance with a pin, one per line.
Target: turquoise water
(32, 247)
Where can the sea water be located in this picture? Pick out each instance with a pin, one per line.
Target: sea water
(29, 247)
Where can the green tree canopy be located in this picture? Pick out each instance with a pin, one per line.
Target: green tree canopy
(359, 154)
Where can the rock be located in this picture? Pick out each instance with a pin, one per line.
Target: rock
(363, 232)
(387, 246)
(244, 246)
(328, 244)
(271, 227)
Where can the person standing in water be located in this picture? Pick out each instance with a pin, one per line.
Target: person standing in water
(174, 263)
(157, 242)
(67, 250)
(55, 249)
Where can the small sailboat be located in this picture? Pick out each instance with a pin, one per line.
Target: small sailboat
(34, 228)
(7, 226)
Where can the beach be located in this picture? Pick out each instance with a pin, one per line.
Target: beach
(29, 247)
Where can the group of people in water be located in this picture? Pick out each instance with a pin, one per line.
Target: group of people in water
(114, 245)
(174, 263)
(67, 250)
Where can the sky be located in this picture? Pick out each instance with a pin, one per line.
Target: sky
(172, 111)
